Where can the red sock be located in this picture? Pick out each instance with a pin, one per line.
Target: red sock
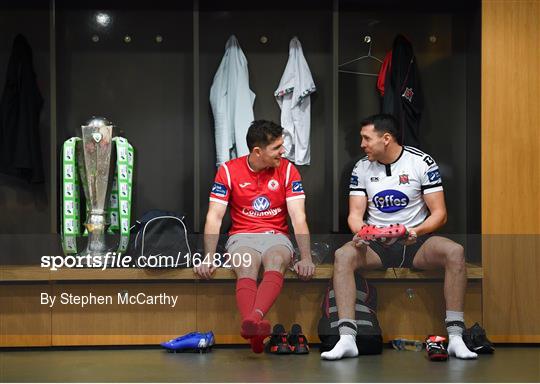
(246, 291)
(267, 293)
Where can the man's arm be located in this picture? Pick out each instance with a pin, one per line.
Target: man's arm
(296, 208)
(214, 217)
(357, 209)
(437, 218)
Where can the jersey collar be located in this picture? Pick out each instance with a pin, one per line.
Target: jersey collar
(396, 160)
(252, 171)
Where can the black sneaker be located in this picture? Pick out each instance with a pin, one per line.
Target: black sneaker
(297, 341)
(278, 342)
(476, 340)
(435, 348)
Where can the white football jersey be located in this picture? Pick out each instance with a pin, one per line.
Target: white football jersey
(394, 191)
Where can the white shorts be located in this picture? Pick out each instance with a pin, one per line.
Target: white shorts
(260, 242)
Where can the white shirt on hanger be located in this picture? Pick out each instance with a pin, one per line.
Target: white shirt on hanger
(293, 98)
(231, 100)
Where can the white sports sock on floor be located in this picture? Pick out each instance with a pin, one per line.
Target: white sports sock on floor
(457, 348)
(345, 347)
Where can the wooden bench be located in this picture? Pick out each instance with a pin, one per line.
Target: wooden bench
(323, 272)
(410, 304)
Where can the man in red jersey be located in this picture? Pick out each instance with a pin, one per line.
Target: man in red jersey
(261, 188)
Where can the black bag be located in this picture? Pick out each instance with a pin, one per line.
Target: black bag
(369, 336)
(476, 340)
(161, 240)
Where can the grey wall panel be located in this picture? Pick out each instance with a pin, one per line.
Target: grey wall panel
(143, 86)
(266, 64)
(25, 207)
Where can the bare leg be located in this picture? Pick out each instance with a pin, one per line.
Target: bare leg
(276, 258)
(348, 259)
(251, 270)
(439, 252)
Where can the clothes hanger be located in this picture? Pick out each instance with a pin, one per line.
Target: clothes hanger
(367, 39)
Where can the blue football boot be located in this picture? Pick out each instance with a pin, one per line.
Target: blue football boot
(191, 342)
(210, 339)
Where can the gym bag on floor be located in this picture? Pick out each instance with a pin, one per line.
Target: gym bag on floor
(369, 335)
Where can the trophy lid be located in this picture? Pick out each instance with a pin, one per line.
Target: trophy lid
(97, 122)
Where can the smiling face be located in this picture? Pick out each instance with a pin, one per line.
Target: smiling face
(374, 143)
(271, 154)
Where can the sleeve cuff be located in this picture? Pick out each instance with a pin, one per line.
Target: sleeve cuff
(295, 197)
(428, 189)
(219, 201)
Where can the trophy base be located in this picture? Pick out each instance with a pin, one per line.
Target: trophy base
(100, 255)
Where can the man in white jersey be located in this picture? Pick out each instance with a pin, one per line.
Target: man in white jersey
(397, 184)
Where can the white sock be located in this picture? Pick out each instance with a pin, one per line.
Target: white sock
(455, 323)
(457, 348)
(345, 347)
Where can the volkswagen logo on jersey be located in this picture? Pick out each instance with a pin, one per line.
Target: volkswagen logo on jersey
(390, 200)
(261, 203)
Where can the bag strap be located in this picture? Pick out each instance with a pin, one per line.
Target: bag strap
(181, 220)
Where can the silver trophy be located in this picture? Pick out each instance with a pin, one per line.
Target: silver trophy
(94, 158)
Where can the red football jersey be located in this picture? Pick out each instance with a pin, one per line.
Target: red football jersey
(258, 200)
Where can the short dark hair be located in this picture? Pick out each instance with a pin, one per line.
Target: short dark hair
(262, 132)
(383, 123)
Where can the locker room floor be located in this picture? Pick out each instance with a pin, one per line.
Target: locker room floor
(239, 364)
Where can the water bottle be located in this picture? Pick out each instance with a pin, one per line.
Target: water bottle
(407, 345)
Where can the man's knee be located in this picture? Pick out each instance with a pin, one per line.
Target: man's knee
(247, 269)
(277, 258)
(344, 258)
(455, 257)
(250, 271)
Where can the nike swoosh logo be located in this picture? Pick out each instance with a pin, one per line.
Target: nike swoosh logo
(243, 185)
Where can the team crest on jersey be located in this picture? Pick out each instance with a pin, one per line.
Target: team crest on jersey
(273, 185)
(261, 203)
(374, 179)
(403, 179)
(408, 94)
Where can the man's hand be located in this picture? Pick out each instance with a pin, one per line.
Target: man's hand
(305, 269)
(359, 242)
(205, 271)
(411, 238)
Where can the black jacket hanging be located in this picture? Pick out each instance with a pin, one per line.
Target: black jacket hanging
(20, 107)
(402, 93)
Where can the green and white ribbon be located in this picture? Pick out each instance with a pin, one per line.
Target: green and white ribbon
(71, 225)
(119, 207)
(120, 200)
